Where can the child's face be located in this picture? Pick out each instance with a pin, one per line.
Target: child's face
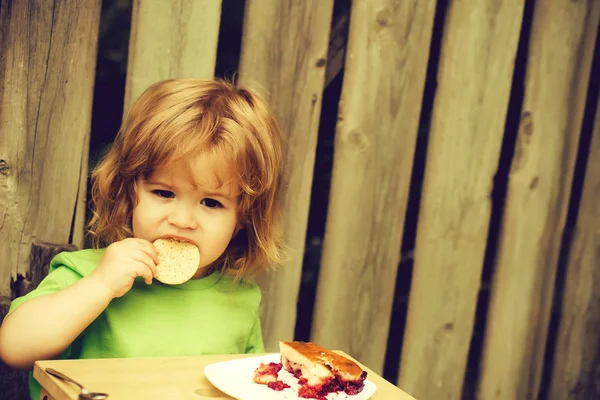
(185, 200)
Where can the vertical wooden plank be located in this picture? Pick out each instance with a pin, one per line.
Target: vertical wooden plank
(47, 71)
(558, 68)
(577, 352)
(284, 50)
(474, 79)
(374, 146)
(171, 39)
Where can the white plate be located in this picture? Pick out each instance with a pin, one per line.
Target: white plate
(234, 378)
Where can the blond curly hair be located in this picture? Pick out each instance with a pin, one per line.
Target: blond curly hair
(178, 119)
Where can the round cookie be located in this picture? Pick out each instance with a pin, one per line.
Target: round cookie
(178, 260)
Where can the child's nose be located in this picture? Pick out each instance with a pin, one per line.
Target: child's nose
(183, 217)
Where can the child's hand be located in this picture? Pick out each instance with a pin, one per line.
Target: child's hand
(123, 261)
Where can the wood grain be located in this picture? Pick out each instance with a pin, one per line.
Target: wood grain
(577, 353)
(561, 47)
(284, 50)
(47, 72)
(171, 39)
(474, 80)
(374, 146)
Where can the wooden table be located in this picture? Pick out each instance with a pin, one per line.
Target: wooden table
(165, 378)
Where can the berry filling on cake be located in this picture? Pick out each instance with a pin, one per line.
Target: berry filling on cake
(266, 374)
(318, 370)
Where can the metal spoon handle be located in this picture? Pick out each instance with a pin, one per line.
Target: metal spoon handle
(63, 376)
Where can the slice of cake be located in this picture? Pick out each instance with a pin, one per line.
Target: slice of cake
(320, 371)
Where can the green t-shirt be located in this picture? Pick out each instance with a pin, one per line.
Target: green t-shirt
(212, 315)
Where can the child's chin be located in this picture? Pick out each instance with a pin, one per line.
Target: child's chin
(202, 272)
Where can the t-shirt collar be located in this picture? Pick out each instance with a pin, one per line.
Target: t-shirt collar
(199, 284)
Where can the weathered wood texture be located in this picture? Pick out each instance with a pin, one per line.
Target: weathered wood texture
(47, 75)
(557, 76)
(474, 79)
(171, 39)
(576, 372)
(284, 49)
(375, 141)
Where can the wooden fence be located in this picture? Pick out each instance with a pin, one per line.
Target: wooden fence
(482, 114)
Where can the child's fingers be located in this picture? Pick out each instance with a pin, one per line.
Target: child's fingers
(153, 267)
(148, 262)
(149, 249)
(145, 272)
(148, 278)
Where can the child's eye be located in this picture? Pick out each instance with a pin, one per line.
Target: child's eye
(164, 193)
(211, 203)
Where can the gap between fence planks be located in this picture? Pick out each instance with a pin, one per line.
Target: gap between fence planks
(48, 64)
(374, 147)
(284, 50)
(171, 39)
(558, 69)
(474, 80)
(576, 364)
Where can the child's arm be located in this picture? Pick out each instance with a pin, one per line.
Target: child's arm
(43, 327)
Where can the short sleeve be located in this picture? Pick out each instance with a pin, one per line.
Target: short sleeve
(255, 341)
(57, 280)
(65, 268)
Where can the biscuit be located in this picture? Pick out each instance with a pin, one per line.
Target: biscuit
(178, 260)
